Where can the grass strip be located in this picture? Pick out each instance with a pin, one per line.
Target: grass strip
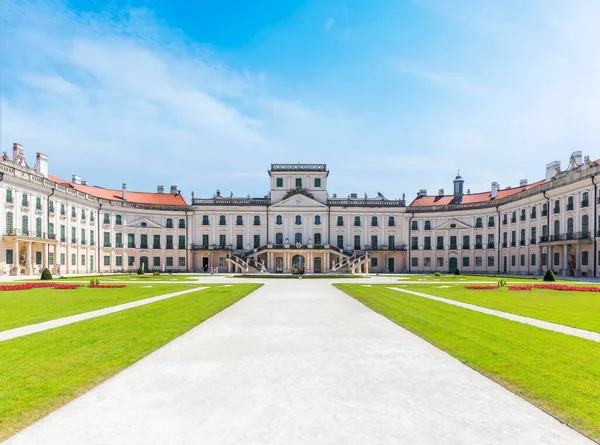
(43, 371)
(25, 307)
(576, 309)
(557, 372)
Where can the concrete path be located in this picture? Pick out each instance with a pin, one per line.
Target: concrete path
(50, 324)
(582, 333)
(298, 362)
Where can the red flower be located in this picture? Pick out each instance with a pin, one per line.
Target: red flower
(481, 287)
(106, 286)
(524, 287)
(564, 287)
(26, 286)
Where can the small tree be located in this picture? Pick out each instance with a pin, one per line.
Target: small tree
(46, 275)
(549, 276)
(156, 273)
(437, 274)
(140, 271)
(457, 271)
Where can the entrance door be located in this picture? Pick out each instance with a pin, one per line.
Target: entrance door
(453, 264)
(144, 263)
(391, 265)
(205, 263)
(317, 267)
(505, 263)
(298, 263)
(279, 264)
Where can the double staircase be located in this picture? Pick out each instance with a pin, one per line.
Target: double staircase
(244, 264)
(351, 264)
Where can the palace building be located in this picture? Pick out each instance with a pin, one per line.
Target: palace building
(72, 227)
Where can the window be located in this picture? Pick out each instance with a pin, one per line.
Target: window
(570, 228)
(92, 216)
(317, 238)
(491, 221)
(533, 212)
(465, 261)
(131, 240)
(156, 261)
(556, 228)
(584, 258)
(118, 239)
(522, 237)
(106, 218)
(106, 260)
(106, 239)
(50, 206)
(205, 220)
(50, 258)
(256, 220)
(25, 203)
(544, 259)
(478, 223)
(38, 203)
(222, 261)
(169, 223)
(82, 236)
(73, 259)
(119, 220)
(63, 259)
(25, 224)
(222, 241)
(156, 242)
(221, 220)
(119, 260)
(298, 238)
(317, 182)
(256, 241)
(374, 241)
(556, 258)
(279, 238)
(340, 221)
(533, 235)
(513, 218)
(181, 261)
(478, 241)
(414, 225)
(585, 226)
(544, 209)
(522, 260)
(9, 222)
(440, 243)
(391, 241)
(239, 220)
(279, 182)
(317, 220)
(357, 221)
(239, 242)
(513, 238)
(466, 242)
(38, 258)
(73, 235)
(83, 259)
(427, 243)
(92, 238)
(62, 209)
(374, 221)
(373, 262)
(169, 261)
(356, 242)
(391, 221)
(557, 206)
(414, 243)
(533, 259)
(73, 212)
(9, 196)
(570, 203)
(414, 262)
(513, 260)
(298, 220)
(63, 233)
(523, 215)
(182, 223)
(439, 262)
(144, 242)
(478, 261)
(205, 240)
(585, 199)
(83, 214)
(427, 261)
(181, 243)
(453, 242)
(278, 220)
(298, 182)
(340, 241)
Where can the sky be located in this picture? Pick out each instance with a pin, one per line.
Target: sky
(394, 96)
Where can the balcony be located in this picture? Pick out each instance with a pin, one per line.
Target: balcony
(491, 224)
(505, 244)
(544, 239)
(585, 203)
(181, 246)
(73, 240)
(478, 246)
(107, 244)
(205, 222)
(479, 226)
(569, 207)
(427, 247)
(441, 247)
(556, 210)
(544, 212)
(453, 247)
(513, 220)
(169, 245)
(29, 234)
(533, 216)
(119, 245)
(504, 222)
(522, 217)
(466, 246)
(83, 242)
(532, 241)
(490, 245)
(513, 244)
(143, 245)
(522, 242)
(92, 242)
(156, 246)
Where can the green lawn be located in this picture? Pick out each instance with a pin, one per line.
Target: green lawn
(41, 372)
(576, 309)
(557, 372)
(24, 307)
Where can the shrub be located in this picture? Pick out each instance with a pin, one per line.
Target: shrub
(46, 275)
(457, 272)
(140, 271)
(156, 273)
(437, 274)
(95, 281)
(549, 275)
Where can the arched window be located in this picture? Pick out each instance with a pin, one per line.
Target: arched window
(478, 222)
(239, 220)
(585, 199)
(585, 226)
(278, 221)
(391, 221)
(556, 228)
(427, 225)
(317, 238)
(557, 206)
(279, 238)
(340, 221)
(544, 209)
(298, 220)
(414, 225)
(522, 214)
(317, 221)
(221, 220)
(570, 228)
(534, 212)
(357, 220)
(374, 221)
(513, 218)
(570, 203)
(256, 220)
(298, 238)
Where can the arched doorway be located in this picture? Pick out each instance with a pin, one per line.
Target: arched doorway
(144, 263)
(453, 262)
(298, 264)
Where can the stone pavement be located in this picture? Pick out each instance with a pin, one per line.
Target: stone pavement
(298, 362)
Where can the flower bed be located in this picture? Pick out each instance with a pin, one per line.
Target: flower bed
(107, 286)
(27, 286)
(525, 287)
(482, 287)
(564, 287)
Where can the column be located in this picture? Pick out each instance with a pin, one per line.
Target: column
(29, 259)
(565, 260)
(45, 252)
(16, 256)
(550, 259)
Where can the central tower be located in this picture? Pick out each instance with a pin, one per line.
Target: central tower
(311, 178)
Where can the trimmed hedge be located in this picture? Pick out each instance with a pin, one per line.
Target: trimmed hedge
(140, 271)
(46, 275)
(549, 275)
(457, 271)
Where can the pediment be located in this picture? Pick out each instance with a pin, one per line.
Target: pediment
(299, 201)
(453, 224)
(144, 223)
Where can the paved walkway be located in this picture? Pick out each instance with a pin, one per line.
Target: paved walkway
(582, 333)
(298, 362)
(50, 324)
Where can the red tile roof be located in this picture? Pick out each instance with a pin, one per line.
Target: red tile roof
(429, 201)
(133, 197)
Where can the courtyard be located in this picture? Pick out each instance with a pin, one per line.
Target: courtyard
(250, 360)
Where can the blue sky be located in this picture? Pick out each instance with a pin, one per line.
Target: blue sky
(393, 95)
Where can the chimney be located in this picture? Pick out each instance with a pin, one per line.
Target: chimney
(522, 182)
(41, 164)
(174, 189)
(552, 169)
(18, 153)
(160, 189)
(84, 182)
(422, 192)
(124, 191)
(468, 191)
(441, 192)
(495, 188)
(76, 180)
